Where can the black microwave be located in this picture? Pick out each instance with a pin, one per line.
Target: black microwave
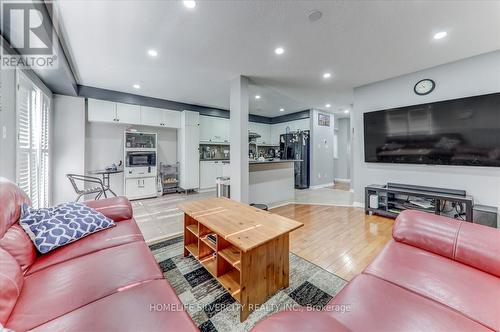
(135, 159)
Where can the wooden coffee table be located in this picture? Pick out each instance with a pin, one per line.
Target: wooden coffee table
(249, 256)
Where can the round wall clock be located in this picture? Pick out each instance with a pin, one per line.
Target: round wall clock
(424, 87)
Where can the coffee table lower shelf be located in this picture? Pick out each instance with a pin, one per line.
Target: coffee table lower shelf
(250, 277)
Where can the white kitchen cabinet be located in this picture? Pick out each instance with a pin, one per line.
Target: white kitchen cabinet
(140, 187)
(188, 143)
(101, 111)
(209, 171)
(151, 116)
(213, 129)
(172, 119)
(158, 117)
(127, 113)
(205, 128)
(263, 129)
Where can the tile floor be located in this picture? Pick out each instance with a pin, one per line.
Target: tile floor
(159, 218)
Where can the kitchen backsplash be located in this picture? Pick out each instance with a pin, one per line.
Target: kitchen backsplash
(214, 152)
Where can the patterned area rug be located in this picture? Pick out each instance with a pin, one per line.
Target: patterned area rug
(213, 309)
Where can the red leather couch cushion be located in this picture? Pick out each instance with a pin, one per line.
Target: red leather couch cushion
(426, 231)
(300, 320)
(11, 198)
(67, 286)
(377, 305)
(128, 310)
(479, 246)
(471, 244)
(124, 232)
(11, 283)
(18, 244)
(469, 291)
(115, 208)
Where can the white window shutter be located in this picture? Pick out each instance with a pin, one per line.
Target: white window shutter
(33, 146)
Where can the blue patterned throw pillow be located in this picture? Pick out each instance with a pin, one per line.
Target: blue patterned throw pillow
(53, 227)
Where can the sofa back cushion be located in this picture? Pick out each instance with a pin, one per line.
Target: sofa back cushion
(18, 244)
(475, 245)
(426, 231)
(11, 199)
(11, 282)
(479, 246)
(12, 237)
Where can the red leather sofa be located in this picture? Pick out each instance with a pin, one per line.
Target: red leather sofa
(437, 274)
(107, 281)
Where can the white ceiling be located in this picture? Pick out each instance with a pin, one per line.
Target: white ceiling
(201, 50)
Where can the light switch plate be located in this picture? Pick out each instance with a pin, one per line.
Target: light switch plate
(4, 132)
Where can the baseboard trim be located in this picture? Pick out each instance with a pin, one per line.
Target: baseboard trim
(342, 180)
(358, 204)
(319, 186)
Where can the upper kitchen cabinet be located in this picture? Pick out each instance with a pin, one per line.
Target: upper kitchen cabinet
(263, 129)
(129, 114)
(101, 110)
(214, 130)
(107, 111)
(152, 116)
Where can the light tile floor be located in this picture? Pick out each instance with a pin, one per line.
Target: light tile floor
(159, 218)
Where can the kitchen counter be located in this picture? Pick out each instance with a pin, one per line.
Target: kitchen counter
(252, 162)
(270, 182)
(274, 161)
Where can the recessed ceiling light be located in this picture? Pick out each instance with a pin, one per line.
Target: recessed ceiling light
(328, 105)
(189, 4)
(152, 52)
(327, 75)
(282, 109)
(257, 97)
(279, 50)
(136, 86)
(440, 35)
(346, 111)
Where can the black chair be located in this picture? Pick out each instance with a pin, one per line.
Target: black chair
(97, 187)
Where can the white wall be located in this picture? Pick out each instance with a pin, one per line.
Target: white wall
(321, 150)
(473, 76)
(8, 124)
(104, 146)
(68, 149)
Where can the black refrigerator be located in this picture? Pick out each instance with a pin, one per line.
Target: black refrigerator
(295, 145)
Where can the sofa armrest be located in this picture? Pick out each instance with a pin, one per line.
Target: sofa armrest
(475, 245)
(115, 208)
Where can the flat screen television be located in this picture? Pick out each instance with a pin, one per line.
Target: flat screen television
(463, 131)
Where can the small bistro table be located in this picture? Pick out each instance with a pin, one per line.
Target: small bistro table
(105, 173)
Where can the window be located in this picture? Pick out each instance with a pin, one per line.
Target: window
(33, 126)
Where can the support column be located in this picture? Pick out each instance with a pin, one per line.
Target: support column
(238, 114)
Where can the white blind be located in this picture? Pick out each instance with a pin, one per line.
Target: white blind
(33, 126)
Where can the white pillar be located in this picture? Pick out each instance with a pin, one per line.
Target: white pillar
(238, 106)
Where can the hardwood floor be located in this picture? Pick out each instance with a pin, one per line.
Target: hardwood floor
(342, 240)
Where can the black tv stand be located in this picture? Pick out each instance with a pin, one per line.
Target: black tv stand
(395, 197)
